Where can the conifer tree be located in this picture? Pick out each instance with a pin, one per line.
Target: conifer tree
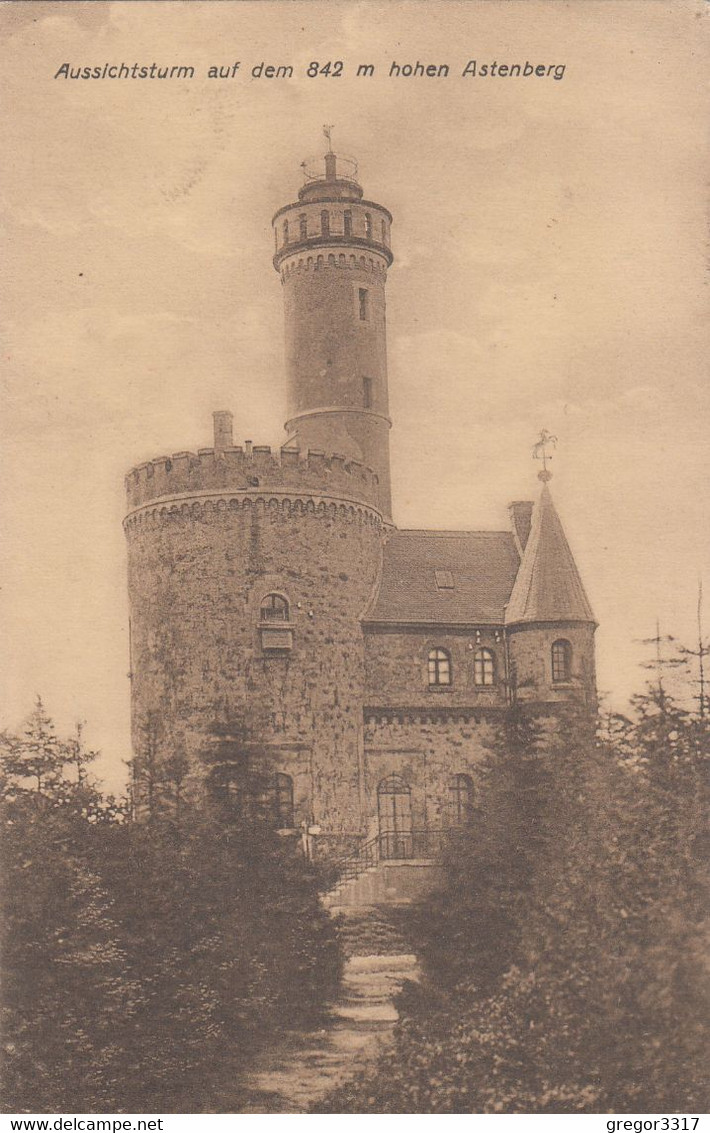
(36, 755)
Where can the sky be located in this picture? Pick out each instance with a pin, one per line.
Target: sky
(550, 260)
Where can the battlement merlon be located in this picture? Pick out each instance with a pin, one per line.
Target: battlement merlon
(240, 468)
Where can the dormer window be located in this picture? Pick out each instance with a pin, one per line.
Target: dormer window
(439, 667)
(274, 608)
(444, 579)
(561, 661)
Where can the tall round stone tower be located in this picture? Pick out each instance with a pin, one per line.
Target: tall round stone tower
(249, 571)
(332, 250)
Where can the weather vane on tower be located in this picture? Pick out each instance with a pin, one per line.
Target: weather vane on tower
(327, 131)
(540, 452)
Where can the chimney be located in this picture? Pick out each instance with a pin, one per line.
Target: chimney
(223, 437)
(520, 519)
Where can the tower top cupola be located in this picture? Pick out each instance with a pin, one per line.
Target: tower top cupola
(332, 177)
(331, 180)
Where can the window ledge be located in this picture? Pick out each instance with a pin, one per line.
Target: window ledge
(440, 688)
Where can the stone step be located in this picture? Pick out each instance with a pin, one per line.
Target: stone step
(368, 1012)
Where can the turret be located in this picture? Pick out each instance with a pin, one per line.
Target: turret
(332, 250)
(549, 621)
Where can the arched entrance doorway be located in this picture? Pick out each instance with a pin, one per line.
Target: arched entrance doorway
(394, 812)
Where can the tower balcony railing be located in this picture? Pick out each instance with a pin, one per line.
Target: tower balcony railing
(346, 169)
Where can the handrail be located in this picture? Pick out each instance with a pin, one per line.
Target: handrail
(395, 845)
(365, 857)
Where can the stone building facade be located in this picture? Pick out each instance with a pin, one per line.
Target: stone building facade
(285, 633)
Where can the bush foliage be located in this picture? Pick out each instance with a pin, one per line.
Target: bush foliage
(143, 961)
(563, 957)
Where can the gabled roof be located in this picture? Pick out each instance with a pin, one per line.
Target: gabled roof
(483, 565)
(548, 587)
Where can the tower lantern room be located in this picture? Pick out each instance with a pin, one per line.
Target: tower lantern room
(332, 251)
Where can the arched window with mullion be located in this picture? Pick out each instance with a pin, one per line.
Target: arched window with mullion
(439, 668)
(274, 608)
(561, 661)
(484, 668)
(461, 800)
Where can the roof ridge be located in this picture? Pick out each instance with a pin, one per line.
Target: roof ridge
(433, 532)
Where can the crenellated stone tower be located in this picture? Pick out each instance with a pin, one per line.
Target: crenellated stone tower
(280, 621)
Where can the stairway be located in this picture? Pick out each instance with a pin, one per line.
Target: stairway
(386, 883)
(303, 1068)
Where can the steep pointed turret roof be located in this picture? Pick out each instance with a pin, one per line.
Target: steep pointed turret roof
(547, 587)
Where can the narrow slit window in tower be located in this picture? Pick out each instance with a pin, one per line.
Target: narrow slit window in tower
(364, 303)
(367, 393)
(285, 232)
(325, 222)
(368, 226)
(282, 799)
(384, 231)
(303, 226)
(348, 222)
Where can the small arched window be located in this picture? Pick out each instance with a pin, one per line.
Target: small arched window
(484, 667)
(285, 232)
(368, 226)
(561, 660)
(325, 222)
(283, 802)
(461, 800)
(439, 666)
(303, 226)
(348, 222)
(274, 608)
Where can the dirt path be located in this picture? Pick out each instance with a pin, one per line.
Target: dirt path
(303, 1067)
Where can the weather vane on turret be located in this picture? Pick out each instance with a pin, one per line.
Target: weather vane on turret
(327, 130)
(540, 452)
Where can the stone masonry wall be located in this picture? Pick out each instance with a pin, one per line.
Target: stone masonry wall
(530, 648)
(398, 676)
(426, 751)
(197, 575)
